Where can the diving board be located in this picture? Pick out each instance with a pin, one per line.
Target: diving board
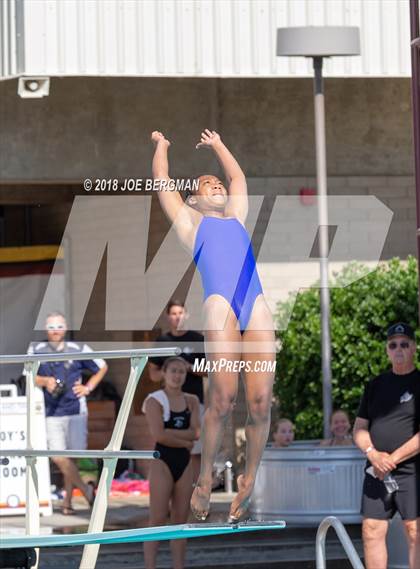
(160, 533)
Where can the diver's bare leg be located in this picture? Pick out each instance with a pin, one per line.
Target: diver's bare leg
(223, 387)
(258, 389)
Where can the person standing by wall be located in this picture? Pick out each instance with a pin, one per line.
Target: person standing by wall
(173, 418)
(387, 431)
(192, 346)
(65, 402)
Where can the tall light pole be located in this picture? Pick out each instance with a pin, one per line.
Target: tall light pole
(317, 43)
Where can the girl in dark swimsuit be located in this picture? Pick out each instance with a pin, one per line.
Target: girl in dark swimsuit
(173, 418)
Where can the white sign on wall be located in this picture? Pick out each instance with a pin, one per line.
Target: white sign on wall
(13, 436)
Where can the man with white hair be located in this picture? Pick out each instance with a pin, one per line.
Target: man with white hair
(387, 431)
(65, 401)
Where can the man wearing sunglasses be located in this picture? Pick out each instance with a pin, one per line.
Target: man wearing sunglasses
(387, 431)
(65, 401)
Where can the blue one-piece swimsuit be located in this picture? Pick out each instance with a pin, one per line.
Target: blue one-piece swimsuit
(223, 255)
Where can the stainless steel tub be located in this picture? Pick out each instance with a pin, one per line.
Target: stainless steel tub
(304, 483)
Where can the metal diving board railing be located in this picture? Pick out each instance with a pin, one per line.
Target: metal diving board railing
(110, 455)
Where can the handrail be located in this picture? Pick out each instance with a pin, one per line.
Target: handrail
(138, 360)
(344, 538)
(136, 454)
(107, 355)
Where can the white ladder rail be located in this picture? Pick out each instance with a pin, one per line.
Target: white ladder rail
(344, 538)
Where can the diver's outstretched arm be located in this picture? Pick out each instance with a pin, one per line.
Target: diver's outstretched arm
(229, 164)
(171, 202)
(238, 194)
(160, 164)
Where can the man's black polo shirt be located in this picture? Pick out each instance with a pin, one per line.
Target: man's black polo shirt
(391, 404)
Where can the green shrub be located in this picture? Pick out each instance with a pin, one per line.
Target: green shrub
(360, 314)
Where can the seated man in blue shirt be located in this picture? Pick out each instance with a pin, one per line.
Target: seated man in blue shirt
(65, 402)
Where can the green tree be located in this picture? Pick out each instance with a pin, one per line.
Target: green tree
(360, 314)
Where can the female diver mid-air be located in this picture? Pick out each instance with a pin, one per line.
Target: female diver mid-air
(238, 323)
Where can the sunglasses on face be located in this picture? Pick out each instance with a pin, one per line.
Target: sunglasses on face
(395, 345)
(52, 327)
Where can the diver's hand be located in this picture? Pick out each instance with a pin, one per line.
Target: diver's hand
(209, 139)
(158, 137)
